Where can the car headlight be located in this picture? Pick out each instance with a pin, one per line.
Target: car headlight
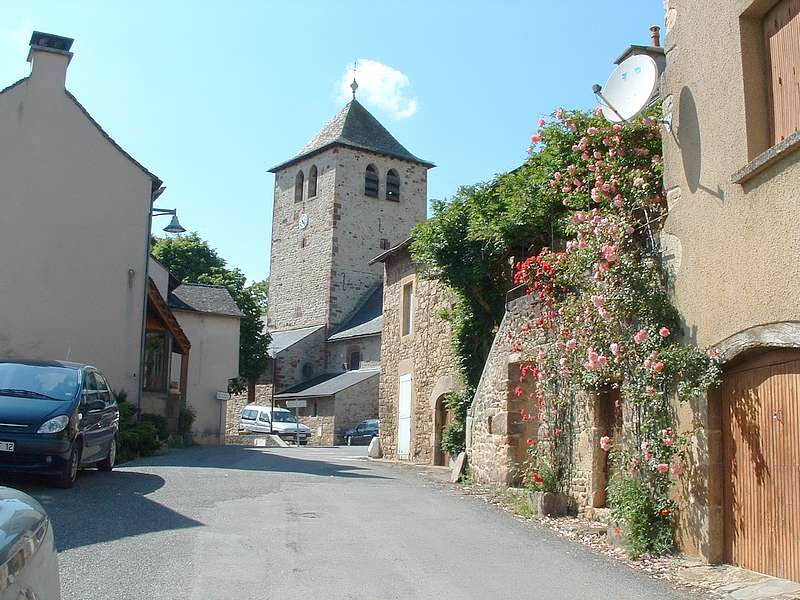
(54, 425)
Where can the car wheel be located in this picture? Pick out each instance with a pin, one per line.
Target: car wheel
(107, 463)
(69, 473)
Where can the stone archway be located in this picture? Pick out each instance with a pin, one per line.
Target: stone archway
(441, 416)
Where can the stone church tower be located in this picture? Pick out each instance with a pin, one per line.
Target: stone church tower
(352, 192)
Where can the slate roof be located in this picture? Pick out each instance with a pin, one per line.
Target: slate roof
(354, 127)
(327, 385)
(367, 320)
(391, 251)
(281, 340)
(199, 297)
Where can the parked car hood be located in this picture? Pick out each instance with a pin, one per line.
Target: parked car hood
(30, 410)
(289, 427)
(20, 515)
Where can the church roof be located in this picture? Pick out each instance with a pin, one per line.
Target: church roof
(281, 340)
(354, 127)
(367, 320)
(329, 384)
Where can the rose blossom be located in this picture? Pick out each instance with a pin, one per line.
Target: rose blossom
(541, 122)
(614, 347)
(658, 367)
(677, 470)
(662, 467)
(648, 455)
(650, 390)
(605, 443)
(640, 336)
(536, 138)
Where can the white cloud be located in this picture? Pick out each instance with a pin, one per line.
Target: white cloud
(381, 86)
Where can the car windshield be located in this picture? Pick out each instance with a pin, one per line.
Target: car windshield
(284, 417)
(249, 414)
(38, 382)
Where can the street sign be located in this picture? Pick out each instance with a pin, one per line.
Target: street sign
(295, 404)
(223, 396)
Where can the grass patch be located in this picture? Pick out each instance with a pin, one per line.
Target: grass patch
(516, 501)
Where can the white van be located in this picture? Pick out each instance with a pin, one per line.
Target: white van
(263, 419)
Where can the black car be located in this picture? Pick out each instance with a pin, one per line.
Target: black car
(362, 433)
(54, 418)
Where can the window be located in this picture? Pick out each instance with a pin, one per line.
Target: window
(298, 187)
(781, 27)
(312, 182)
(392, 186)
(154, 379)
(355, 360)
(371, 182)
(249, 414)
(264, 417)
(102, 388)
(408, 309)
(307, 371)
(385, 244)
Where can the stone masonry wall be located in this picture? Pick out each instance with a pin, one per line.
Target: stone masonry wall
(426, 354)
(290, 361)
(301, 261)
(355, 404)
(361, 222)
(370, 348)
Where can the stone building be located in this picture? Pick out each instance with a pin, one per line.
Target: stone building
(732, 174)
(417, 368)
(350, 193)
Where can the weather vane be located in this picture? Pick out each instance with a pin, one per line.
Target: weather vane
(354, 85)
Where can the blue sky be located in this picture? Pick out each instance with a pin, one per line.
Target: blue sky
(209, 95)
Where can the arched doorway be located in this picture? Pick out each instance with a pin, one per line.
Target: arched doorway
(760, 403)
(442, 416)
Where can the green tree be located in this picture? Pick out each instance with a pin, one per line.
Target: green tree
(192, 260)
(261, 291)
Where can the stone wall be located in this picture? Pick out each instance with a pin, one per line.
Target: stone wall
(289, 362)
(355, 404)
(361, 222)
(370, 348)
(425, 354)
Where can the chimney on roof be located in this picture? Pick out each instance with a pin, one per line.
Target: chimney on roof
(655, 36)
(49, 57)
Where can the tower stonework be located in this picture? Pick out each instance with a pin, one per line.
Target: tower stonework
(322, 243)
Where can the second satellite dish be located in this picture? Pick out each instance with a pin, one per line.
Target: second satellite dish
(629, 88)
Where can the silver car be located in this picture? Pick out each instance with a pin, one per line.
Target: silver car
(28, 561)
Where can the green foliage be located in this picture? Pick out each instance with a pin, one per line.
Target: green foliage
(647, 527)
(260, 290)
(190, 258)
(135, 438)
(159, 422)
(186, 416)
(454, 434)
(540, 473)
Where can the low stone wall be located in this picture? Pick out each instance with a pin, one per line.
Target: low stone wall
(323, 430)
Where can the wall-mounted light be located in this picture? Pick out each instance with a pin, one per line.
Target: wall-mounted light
(174, 225)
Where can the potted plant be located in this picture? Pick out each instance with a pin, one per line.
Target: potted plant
(545, 496)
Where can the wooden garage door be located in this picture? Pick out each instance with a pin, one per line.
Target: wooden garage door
(761, 440)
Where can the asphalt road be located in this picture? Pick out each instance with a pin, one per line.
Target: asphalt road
(214, 523)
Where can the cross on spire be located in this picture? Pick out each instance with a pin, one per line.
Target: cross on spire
(354, 85)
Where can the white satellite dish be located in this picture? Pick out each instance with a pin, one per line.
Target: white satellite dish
(629, 88)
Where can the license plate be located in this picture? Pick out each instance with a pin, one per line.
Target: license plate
(6, 446)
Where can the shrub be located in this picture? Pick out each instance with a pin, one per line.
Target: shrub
(136, 438)
(186, 416)
(648, 528)
(159, 422)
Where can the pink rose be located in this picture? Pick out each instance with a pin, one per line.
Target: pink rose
(640, 336)
(634, 462)
(535, 138)
(662, 467)
(664, 332)
(605, 443)
(599, 111)
(667, 441)
(650, 390)
(598, 301)
(541, 122)
(648, 455)
(677, 470)
(559, 113)
(572, 344)
(592, 131)
(614, 348)
(602, 361)
(658, 367)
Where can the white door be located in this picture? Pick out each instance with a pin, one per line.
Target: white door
(404, 418)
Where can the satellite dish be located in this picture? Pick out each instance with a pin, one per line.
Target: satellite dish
(629, 88)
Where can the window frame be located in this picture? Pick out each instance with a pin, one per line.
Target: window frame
(313, 176)
(392, 185)
(299, 184)
(407, 308)
(368, 191)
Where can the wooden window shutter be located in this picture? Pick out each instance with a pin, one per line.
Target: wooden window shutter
(782, 39)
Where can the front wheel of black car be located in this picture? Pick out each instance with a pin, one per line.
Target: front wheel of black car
(69, 472)
(107, 463)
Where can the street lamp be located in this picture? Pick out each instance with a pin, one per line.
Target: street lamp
(174, 226)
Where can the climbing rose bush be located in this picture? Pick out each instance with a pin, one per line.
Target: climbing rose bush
(603, 317)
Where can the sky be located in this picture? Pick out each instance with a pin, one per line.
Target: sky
(210, 95)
